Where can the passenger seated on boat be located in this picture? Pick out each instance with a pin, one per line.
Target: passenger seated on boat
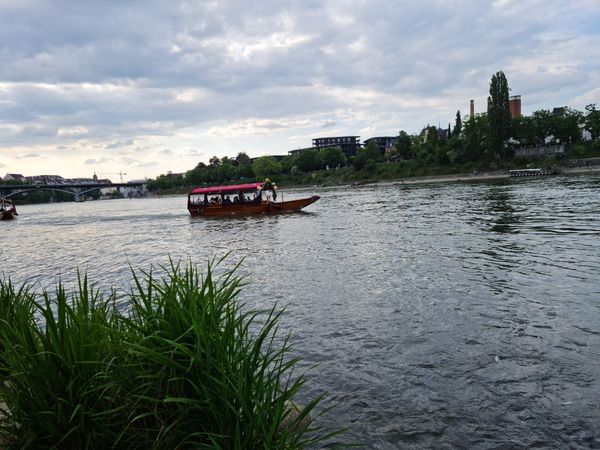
(236, 200)
(227, 200)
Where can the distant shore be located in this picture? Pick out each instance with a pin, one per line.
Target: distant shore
(483, 176)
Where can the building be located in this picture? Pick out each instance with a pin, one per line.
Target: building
(385, 144)
(542, 151)
(298, 151)
(46, 179)
(276, 157)
(514, 104)
(442, 133)
(14, 177)
(135, 191)
(347, 144)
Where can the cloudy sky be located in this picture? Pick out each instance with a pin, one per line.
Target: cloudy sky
(146, 87)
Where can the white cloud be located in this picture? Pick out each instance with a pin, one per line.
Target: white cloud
(77, 131)
(80, 84)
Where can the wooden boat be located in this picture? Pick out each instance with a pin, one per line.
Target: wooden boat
(242, 199)
(8, 211)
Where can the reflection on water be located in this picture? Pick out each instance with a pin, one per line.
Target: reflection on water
(501, 209)
(440, 316)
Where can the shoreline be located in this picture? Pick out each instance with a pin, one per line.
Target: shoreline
(484, 176)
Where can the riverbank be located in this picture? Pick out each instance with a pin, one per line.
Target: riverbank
(476, 176)
(425, 179)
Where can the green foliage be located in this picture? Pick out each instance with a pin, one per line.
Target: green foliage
(188, 366)
(475, 133)
(16, 309)
(543, 124)
(566, 125)
(457, 125)
(589, 149)
(307, 160)
(424, 151)
(266, 166)
(331, 157)
(358, 162)
(45, 196)
(242, 158)
(499, 116)
(592, 120)
(371, 152)
(431, 136)
(452, 156)
(524, 131)
(404, 145)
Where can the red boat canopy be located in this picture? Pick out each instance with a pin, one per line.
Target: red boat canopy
(227, 189)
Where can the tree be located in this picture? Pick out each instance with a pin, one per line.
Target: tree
(404, 145)
(566, 125)
(287, 164)
(499, 117)
(371, 152)
(543, 125)
(456, 152)
(523, 130)
(242, 158)
(266, 166)
(457, 125)
(592, 120)
(214, 161)
(227, 171)
(431, 136)
(308, 160)
(475, 136)
(332, 157)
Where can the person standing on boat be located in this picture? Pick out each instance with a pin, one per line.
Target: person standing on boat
(268, 186)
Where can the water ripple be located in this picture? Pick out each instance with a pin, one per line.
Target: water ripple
(439, 316)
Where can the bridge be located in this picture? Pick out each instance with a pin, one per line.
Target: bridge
(76, 189)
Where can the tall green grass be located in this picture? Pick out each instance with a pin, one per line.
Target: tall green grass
(186, 366)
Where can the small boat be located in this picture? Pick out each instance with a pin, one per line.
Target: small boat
(533, 172)
(8, 211)
(242, 199)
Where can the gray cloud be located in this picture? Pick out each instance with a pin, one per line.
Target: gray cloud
(147, 164)
(203, 74)
(119, 144)
(96, 161)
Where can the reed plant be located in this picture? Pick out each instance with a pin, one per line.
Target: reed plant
(186, 365)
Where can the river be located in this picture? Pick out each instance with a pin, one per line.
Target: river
(438, 315)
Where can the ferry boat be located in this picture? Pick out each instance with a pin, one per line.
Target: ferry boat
(8, 211)
(242, 199)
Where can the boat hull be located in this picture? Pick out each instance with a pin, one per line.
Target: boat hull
(263, 207)
(7, 215)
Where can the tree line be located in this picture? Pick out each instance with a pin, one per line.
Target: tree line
(242, 167)
(490, 136)
(495, 134)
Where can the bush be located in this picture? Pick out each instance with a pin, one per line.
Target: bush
(187, 366)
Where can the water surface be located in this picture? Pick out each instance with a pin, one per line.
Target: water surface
(440, 316)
